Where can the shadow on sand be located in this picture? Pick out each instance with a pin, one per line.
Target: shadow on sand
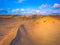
(21, 34)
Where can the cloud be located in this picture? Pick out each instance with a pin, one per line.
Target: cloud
(46, 12)
(31, 11)
(20, 1)
(35, 11)
(18, 11)
(15, 10)
(25, 11)
(22, 10)
(43, 6)
(56, 11)
(52, 11)
(56, 5)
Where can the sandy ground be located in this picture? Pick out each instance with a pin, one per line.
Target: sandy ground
(8, 30)
(42, 31)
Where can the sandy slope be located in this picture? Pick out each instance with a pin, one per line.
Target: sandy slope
(8, 30)
(43, 31)
(46, 32)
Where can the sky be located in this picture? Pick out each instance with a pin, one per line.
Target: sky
(29, 7)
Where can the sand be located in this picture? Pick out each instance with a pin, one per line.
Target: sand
(8, 30)
(41, 31)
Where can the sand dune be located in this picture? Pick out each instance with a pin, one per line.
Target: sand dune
(44, 31)
(8, 30)
(41, 31)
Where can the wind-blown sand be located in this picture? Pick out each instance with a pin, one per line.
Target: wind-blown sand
(41, 31)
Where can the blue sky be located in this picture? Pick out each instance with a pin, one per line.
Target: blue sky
(29, 6)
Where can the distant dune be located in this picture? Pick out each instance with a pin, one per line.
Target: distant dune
(6, 17)
(30, 30)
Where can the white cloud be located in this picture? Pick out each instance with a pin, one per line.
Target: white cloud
(49, 12)
(46, 12)
(26, 11)
(35, 11)
(56, 5)
(15, 11)
(18, 11)
(22, 10)
(43, 6)
(32, 11)
(56, 11)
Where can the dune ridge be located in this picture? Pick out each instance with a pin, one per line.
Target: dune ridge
(9, 37)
